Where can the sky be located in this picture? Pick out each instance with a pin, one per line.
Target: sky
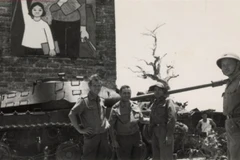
(194, 35)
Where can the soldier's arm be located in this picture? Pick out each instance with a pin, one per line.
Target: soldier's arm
(171, 121)
(77, 109)
(144, 120)
(112, 121)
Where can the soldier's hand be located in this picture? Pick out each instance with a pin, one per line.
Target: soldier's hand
(115, 144)
(87, 131)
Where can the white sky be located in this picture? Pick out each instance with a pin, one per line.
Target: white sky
(196, 33)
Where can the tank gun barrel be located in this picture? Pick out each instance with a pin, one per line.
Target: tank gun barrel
(212, 84)
(109, 102)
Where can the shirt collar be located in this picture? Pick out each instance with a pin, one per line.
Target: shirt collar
(131, 105)
(234, 76)
(93, 97)
(161, 99)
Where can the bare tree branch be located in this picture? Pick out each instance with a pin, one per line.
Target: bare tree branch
(169, 68)
(147, 63)
(142, 70)
(153, 77)
(156, 63)
(154, 45)
(147, 34)
(134, 71)
(158, 27)
(163, 57)
(168, 78)
(142, 76)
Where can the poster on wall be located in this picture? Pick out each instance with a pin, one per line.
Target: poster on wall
(54, 28)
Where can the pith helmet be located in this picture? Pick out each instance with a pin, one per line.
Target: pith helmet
(227, 55)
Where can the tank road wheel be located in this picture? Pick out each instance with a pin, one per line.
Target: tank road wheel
(68, 151)
(5, 153)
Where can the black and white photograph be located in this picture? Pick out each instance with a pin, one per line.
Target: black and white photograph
(119, 80)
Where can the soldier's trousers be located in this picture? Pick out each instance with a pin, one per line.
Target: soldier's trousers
(233, 138)
(96, 147)
(131, 147)
(160, 150)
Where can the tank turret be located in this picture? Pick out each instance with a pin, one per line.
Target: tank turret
(34, 124)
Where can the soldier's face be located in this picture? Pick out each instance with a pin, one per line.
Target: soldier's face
(125, 94)
(228, 66)
(158, 92)
(95, 87)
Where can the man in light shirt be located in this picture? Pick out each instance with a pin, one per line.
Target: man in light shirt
(207, 124)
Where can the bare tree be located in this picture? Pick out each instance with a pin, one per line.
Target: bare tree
(156, 64)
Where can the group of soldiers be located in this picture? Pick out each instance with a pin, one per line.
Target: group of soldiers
(121, 130)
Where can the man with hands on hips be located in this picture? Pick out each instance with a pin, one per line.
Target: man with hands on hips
(94, 124)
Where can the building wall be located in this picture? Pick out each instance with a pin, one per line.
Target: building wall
(18, 73)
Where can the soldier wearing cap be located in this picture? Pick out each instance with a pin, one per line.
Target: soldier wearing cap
(229, 64)
(94, 124)
(125, 133)
(162, 123)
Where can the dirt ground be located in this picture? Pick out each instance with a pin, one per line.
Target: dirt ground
(193, 159)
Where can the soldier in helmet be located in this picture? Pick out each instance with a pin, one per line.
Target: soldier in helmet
(162, 123)
(229, 64)
(92, 113)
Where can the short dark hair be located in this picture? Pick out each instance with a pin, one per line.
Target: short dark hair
(34, 5)
(95, 78)
(123, 87)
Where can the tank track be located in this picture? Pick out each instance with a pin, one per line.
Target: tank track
(39, 125)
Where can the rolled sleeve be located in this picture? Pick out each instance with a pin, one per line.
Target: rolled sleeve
(78, 108)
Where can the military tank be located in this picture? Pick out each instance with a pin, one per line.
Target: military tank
(34, 124)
